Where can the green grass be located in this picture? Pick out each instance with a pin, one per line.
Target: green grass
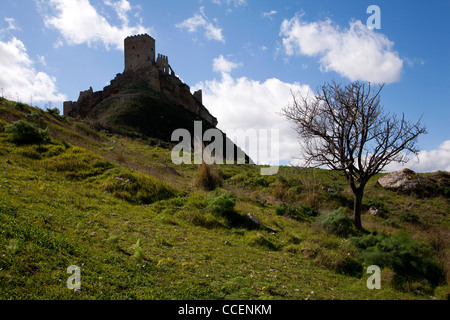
(140, 228)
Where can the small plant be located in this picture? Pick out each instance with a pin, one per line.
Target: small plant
(65, 144)
(222, 206)
(34, 117)
(300, 213)
(263, 241)
(14, 246)
(207, 177)
(409, 217)
(24, 132)
(112, 240)
(337, 222)
(138, 251)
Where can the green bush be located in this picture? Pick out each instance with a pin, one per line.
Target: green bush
(300, 213)
(53, 111)
(409, 259)
(221, 204)
(24, 132)
(337, 222)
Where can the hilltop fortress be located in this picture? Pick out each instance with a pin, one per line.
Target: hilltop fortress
(141, 66)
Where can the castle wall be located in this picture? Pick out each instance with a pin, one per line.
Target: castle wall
(140, 65)
(199, 95)
(68, 106)
(139, 52)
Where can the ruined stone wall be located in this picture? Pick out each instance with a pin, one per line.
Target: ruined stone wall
(139, 52)
(68, 107)
(162, 62)
(140, 65)
(199, 95)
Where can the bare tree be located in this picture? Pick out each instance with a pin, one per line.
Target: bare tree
(344, 127)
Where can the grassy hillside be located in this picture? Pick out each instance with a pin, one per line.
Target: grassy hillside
(140, 227)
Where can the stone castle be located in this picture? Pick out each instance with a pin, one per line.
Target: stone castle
(141, 65)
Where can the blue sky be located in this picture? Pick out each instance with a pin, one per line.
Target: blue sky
(246, 55)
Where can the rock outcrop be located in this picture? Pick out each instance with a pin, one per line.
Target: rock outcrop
(406, 181)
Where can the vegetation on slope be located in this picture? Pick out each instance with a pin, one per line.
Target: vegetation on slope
(140, 227)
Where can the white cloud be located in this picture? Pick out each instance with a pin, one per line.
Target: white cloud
(11, 25)
(220, 64)
(235, 3)
(200, 22)
(243, 103)
(269, 14)
(79, 22)
(42, 60)
(357, 53)
(429, 161)
(18, 77)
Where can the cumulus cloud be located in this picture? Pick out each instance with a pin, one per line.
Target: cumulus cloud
(18, 77)
(357, 52)
(220, 64)
(79, 22)
(248, 104)
(200, 22)
(427, 161)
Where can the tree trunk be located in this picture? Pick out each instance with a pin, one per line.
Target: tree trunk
(357, 208)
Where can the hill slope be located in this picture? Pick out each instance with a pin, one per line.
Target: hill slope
(140, 228)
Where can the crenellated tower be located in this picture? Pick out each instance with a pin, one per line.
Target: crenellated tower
(139, 52)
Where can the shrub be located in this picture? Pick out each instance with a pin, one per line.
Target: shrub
(337, 222)
(407, 258)
(34, 117)
(221, 204)
(53, 111)
(25, 132)
(300, 213)
(207, 177)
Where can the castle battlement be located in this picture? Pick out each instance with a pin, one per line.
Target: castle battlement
(162, 57)
(140, 64)
(139, 52)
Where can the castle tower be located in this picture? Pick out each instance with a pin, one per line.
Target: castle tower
(139, 52)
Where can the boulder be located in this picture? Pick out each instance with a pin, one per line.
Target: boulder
(403, 181)
(253, 219)
(373, 211)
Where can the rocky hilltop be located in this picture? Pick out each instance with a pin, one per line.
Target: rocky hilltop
(146, 99)
(141, 67)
